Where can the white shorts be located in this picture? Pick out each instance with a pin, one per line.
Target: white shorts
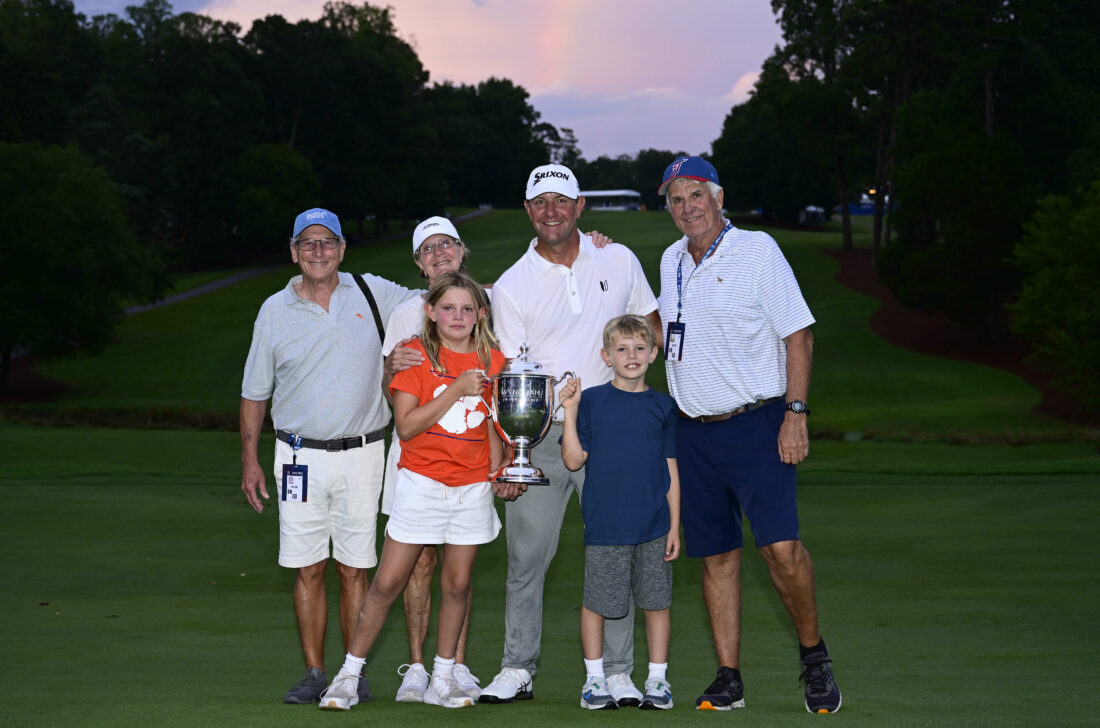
(427, 512)
(341, 506)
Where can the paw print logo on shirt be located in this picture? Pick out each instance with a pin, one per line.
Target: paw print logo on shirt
(463, 414)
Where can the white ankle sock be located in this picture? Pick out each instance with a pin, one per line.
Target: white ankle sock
(353, 664)
(443, 668)
(658, 670)
(594, 668)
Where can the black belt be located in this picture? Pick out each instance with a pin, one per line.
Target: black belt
(340, 443)
(726, 415)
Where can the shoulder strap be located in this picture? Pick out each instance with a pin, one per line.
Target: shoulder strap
(373, 306)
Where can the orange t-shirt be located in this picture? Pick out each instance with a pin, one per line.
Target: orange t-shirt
(455, 450)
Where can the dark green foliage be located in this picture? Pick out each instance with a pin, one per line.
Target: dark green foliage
(174, 107)
(963, 210)
(72, 261)
(772, 155)
(489, 137)
(1059, 303)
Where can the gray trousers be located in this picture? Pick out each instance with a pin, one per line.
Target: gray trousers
(532, 525)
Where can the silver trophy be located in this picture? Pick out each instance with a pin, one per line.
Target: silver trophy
(523, 405)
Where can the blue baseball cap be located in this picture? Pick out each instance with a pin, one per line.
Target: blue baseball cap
(317, 216)
(695, 168)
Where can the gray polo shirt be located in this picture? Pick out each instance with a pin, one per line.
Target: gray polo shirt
(322, 369)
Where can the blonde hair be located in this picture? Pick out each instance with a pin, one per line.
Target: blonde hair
(629, 325)
(482, 335)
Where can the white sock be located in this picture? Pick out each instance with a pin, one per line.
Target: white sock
(443, 668)
(657, 670)
(353, 664)
(594, 668)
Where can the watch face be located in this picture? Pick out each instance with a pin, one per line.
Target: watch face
(797, 407)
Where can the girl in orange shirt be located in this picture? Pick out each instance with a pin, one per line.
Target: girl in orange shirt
(443, 495)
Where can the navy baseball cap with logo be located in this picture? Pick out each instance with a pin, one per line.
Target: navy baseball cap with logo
(695, 168)
(552, 178)
(317, 216)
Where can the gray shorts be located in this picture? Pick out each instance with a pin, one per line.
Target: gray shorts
(611, 573)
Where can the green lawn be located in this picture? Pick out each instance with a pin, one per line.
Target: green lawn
(957, 583)
(188, 356)
(956, 587)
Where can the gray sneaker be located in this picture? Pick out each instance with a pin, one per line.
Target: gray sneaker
(308, 689)
(658, 695)
(595, 695)
(363, 691)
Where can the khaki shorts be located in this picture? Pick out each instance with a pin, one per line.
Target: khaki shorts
(341, 506)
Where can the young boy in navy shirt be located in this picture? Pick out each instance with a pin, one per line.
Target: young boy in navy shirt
(623, 433)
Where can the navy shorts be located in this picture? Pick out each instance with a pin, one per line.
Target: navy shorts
(732, 467)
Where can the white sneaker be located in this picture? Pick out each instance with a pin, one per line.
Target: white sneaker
(414, 683)
(466, 681)
(510, 684)
(342, 693)
(624, 692)
(444, 691)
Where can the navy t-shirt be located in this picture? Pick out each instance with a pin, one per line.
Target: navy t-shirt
(628, 437)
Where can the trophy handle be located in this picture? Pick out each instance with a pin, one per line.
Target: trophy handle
(555, 382)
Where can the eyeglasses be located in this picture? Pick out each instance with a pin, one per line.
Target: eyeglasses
(427, 248)
(308, 244)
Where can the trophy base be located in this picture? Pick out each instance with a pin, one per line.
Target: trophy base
(525, 474)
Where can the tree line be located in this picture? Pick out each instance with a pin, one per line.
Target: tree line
(977, 125)
(975, 122)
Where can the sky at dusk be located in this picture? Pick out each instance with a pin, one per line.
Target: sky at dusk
(625, 75)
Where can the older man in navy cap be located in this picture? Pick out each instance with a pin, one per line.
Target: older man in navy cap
(316, 353)
(738, 350)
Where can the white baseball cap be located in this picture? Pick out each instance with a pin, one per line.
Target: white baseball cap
(552, 178)
(433, 226)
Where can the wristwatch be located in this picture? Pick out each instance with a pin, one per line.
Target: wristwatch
(798, 407)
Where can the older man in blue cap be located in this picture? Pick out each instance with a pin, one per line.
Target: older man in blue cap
(316, 354)
(738, 351)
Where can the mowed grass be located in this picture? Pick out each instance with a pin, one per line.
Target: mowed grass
(956, 583)
(188, 357)
(956, 586)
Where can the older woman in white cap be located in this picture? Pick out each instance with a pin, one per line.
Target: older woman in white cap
(437, 249)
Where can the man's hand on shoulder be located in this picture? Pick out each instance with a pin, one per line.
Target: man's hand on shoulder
(599, 239)
(403, 357)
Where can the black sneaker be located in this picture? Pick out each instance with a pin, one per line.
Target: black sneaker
(822, 694)
(309, 688)
(726, 692)
(363, 690)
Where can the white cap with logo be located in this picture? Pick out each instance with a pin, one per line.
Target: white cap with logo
(433, 226)
(552, 178)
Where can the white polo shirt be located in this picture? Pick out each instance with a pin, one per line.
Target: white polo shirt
(737, 307)
(322, 369)
(560, 311)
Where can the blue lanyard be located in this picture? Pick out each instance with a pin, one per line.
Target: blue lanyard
(680, 272)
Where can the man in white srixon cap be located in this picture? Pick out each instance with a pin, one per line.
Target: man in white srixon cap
(557, 298)
(738, 352)
(316, 353)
